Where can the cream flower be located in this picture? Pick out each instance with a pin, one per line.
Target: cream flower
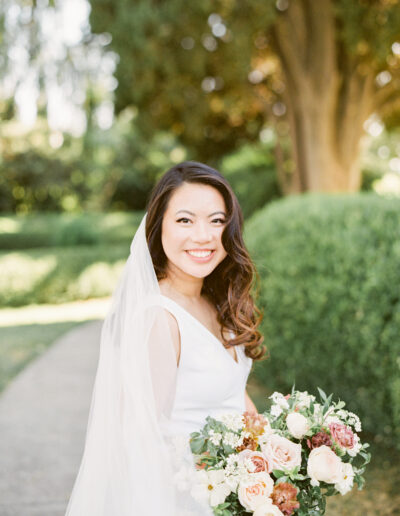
(297, 425)
(267, 509)
(345, 484)
(324, 466)
(210, 485)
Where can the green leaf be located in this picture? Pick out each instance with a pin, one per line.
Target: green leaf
(322, 394)
(278, 473)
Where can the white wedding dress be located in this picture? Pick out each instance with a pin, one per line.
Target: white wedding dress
(209, 380)
(137, 458)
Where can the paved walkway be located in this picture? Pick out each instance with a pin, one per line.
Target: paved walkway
(43, 418)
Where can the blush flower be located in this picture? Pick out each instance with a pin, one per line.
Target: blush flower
(284, 496)
(282, 453)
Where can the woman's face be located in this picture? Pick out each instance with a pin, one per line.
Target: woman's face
(194, 221)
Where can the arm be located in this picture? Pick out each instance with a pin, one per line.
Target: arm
(250, 407)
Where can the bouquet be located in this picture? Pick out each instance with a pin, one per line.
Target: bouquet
(282, 462)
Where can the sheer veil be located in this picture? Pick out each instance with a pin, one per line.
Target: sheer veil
(131, 464)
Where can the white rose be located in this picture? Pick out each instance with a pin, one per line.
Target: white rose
(297, 425)
(282, 453)
(324, 466)
(345, 484)
(267, 509)
(255, 490)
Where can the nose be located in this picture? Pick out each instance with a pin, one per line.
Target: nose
(201, 233)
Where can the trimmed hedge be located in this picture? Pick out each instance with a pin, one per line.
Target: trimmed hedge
(67, 229)
(330, 272)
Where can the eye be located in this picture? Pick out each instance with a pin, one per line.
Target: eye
(221, 220)
(183, 218)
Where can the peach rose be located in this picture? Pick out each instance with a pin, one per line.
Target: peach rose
(282, 453)
(255, 490)
(267, 509)
(324, 466)
(259, 460)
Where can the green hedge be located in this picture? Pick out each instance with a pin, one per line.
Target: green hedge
(330, 269)
(65, 229)
(60, 274)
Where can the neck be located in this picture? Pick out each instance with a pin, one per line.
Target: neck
(181, 284)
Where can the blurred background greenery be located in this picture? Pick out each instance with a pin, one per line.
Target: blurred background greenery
(296, 103)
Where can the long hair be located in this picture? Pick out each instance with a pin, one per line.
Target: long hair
(229, 285)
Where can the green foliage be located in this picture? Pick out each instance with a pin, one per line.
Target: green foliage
(166, 52)
(251, 171)
(32, 181)
(67, 229)
(68, 272)
(61, 274)
(329, 269)
(368, 28)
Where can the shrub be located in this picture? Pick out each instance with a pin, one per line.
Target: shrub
(67, 229)
(329, 266)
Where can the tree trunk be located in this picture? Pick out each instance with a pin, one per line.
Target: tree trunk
(328, 98)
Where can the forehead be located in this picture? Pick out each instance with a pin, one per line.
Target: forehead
(197, 198)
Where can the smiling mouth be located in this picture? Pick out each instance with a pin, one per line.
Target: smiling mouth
(200, 254)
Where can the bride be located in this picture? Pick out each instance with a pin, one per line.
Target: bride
(177, 346)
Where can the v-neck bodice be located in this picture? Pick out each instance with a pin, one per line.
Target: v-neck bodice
(209, 380)
(202, 326)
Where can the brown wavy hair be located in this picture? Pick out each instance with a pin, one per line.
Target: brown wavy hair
(228, 286)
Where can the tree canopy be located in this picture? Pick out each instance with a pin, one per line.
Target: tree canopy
(216, 72)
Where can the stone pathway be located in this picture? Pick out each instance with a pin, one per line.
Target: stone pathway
(43, 419)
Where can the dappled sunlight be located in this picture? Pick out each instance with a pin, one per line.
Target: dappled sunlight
(99, 278)
(47, 313)
(20, 272)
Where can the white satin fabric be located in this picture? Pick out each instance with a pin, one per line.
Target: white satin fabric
(136, 459)
(209, 380)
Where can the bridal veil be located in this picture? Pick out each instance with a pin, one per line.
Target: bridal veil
(131, 465)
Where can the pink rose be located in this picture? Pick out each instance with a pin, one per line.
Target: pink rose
(255, 490)
(259, 460)
(282, 453)
(342, 435)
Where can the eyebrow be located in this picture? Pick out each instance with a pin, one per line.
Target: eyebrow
(193, 214)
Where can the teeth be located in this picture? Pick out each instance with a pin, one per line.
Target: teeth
(199, 254)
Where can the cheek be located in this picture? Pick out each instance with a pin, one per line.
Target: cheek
(172, 241)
